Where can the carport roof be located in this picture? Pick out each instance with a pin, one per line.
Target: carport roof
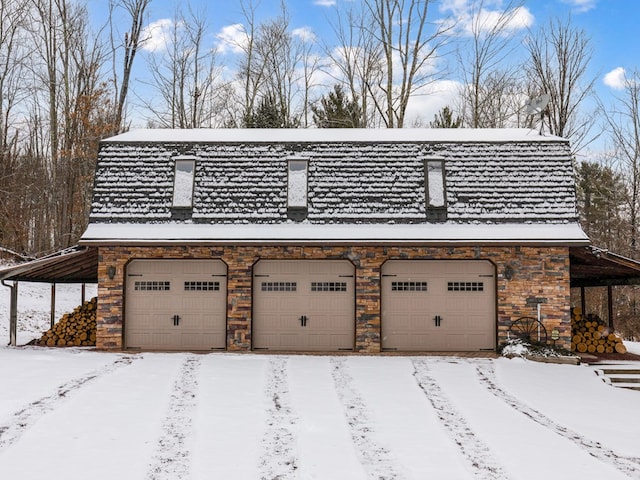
(597, 267)
(72, 265)
(590, 267)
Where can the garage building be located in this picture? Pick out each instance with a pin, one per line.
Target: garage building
(331, 240)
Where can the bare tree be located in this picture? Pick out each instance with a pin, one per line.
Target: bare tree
(410, 46)
(276, 69)
(623, 129)
(559, 56)
(184, 76)
(355, 62)
(251, 72)
(13, 90)
(136, 9)
(488, 74)
(67, 65)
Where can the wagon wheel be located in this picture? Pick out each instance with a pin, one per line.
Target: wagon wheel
(528, 328)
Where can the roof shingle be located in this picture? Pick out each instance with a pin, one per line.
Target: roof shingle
(349, 182)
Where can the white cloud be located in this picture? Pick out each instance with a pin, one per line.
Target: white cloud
(325, 3)
(517, 19)
(304, 33)
(616, 78)
(155, 36)
(581, 5)
(232, 38)
(424, 107)
(467, 19)
(522, 18)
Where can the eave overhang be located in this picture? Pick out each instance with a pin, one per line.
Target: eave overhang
(565, 234)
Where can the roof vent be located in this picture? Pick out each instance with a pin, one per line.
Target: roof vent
(183, 186)
(297, 188)
(435, 189)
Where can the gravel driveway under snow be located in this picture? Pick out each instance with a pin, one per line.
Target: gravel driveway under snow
(77, 414)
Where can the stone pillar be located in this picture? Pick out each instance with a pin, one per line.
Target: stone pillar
(239, 281)
(109, 314)
(367, 299)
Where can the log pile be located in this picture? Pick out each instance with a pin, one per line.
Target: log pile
(591, 335)
(77, 328)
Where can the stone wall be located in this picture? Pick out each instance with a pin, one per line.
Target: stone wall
(525, 276)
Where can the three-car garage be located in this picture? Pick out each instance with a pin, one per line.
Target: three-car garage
(310, 305)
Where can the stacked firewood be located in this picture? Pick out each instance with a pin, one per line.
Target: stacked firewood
(77, 328)
(591, 335)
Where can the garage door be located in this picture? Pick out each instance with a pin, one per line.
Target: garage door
(176, 304)
(438, 305)
(303, 305)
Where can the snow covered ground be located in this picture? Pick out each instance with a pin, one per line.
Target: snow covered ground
(77, 414)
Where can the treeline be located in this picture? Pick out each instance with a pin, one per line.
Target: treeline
(66, 83)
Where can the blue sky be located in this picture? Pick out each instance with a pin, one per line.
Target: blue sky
(611, 24)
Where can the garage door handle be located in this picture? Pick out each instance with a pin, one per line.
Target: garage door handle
(303, 320)
(176, 320)
(438, 320)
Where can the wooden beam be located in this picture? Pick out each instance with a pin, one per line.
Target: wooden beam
(610, 307)
(13, 315)
(53, 304)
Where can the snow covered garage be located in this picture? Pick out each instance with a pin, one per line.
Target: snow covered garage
(327, 240)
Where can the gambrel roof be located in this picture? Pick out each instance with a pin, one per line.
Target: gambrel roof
(355, 177)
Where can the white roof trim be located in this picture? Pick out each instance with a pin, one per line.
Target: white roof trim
(333, 135)
(296, 233)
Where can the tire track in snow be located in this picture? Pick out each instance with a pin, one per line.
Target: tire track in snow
(477, 453)
(173, 458)
(630, 466)
(279, 458)
(376, 460)
(23, 419)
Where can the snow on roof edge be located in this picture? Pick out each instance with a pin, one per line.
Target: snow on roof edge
(333, 135)
(564, 233)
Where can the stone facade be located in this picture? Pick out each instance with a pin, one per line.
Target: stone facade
(534, 274)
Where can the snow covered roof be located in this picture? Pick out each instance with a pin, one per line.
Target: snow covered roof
(324, 135)
(492, 176)
(441, 233)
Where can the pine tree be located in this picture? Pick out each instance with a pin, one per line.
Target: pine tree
(268, 114)
(444, 119)
(601, 205)
(337, 111)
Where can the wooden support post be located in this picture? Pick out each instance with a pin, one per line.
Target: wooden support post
(583, 302)
(13, 315)
(610, 307)
(53, 304)
(83, 294)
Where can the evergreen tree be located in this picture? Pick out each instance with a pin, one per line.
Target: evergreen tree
(601, 205)
(444, 119)
(336, 110)
(268, 114)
